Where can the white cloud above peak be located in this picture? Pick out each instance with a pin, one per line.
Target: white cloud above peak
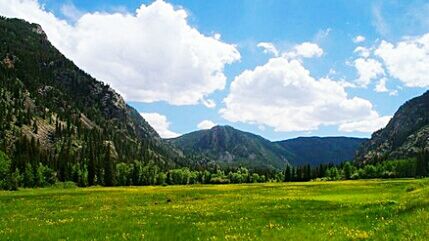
(283, 95)
(368, 69)
(368, 125)
(151, 55)
(206, 124)
(407, 60)
(160, 124)
(381, 86)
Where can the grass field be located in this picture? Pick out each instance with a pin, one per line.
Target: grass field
(344, 210)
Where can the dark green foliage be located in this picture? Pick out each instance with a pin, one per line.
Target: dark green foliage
(28, 176)
(109, 178)
(348, 170)
(288, 174)
(422, 163)
(9, 179)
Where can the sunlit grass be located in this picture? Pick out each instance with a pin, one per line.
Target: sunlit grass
(346, 210)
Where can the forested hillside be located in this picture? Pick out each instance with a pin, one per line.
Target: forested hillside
(406, 135)
(56, 117)
(322, 150)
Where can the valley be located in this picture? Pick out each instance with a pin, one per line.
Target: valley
(343, 210)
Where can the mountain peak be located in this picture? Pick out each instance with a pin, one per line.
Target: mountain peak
(230, 147)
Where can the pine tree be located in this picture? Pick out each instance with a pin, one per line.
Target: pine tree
(348, 170)
(288, 174)
(28, 176)
(422, 163)
(108, 168)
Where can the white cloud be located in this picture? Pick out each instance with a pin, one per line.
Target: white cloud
(368, 125)
(362, 51)
(70, 11)
(160, 124)
(305, 50)
(209, 103)
(378, 20)
(282, 94)
(151, 55)
(359, 39)
(368, 69)
(381, 86)
(268, 48)
(407, 60)
(206, 124)
(322, 34)
(393, 93)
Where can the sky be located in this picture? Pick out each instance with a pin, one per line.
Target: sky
(279, 69)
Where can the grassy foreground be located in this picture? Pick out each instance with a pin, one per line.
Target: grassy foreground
(344, 210)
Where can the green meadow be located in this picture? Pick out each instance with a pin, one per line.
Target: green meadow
(342, 210)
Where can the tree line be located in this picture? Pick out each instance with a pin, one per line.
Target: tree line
(400, 168)
(139, 174)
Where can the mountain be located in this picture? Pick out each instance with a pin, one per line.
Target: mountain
(404, 136)
(318, 150)
(56, 114)
(230, 147)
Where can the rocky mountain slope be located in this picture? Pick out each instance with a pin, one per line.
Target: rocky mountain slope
(404, 136)
(54, 113)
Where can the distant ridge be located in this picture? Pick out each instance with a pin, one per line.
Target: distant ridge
(322, 150)
(228, 146)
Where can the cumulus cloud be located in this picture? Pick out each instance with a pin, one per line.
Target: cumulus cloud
(282, 94)
(160, 124)
(407, 60)
(359, 39)
(206, 124)
(150, 55)
(368, 125)
(368, 69)
(362, 51)
(381, 86)
(268, 48)
(305, 50)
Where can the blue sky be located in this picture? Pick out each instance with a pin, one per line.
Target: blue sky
(330, 25)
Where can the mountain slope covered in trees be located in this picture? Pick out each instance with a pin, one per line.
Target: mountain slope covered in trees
(55, 115)
(406, 134)
(231, 147)
(322, 150)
